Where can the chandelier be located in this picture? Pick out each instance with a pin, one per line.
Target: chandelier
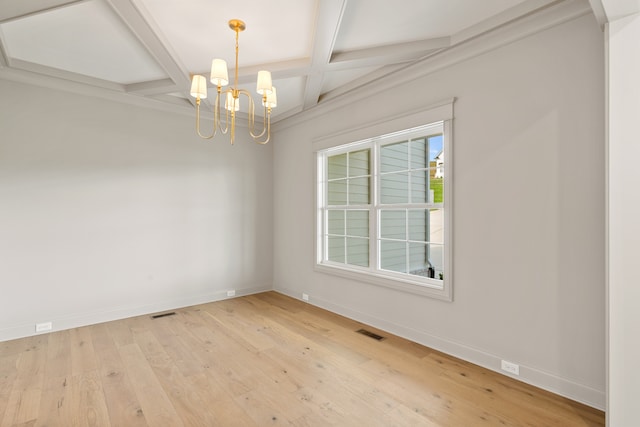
(220, 78)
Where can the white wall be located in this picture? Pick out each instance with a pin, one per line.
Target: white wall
(624, 224)
(109, 210)
(528, 145)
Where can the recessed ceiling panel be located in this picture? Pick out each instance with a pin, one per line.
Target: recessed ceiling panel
(290, 94)
(86, 38)
(198, 30)
(372, 23)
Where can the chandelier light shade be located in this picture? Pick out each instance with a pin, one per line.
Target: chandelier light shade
(271, 101)
(219, 73)
(199, 87)
(224, 117)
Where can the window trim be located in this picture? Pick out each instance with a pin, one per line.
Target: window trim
(441, 112)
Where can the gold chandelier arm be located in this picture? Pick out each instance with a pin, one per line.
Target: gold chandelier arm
(252, 117)
(268, 127)
(216, 114)
(198, 123)
(265, 127)
(233, 124)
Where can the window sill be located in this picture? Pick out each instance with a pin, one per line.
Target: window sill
(442, 293)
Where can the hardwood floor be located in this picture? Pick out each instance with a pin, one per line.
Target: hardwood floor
(259, 360)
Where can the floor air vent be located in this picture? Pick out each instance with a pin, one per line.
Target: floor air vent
(157, 316)
(370, 334)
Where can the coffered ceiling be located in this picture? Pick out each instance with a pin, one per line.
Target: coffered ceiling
(316, 49)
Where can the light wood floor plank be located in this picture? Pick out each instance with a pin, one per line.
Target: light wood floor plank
(56, 403)
(89, 406)
(155, 404)
(258, 360)
(83, 358)
(8, 375)
(120, 397)
(23, 403)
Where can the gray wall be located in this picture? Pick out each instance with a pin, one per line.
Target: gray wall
(528, 147)
(109, 210)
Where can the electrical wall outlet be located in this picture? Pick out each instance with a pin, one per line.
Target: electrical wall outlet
(512, 368)
(231, 293)
(305, 297)
(43, 327)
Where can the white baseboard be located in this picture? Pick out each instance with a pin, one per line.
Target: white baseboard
(91, 318)
(544, 380)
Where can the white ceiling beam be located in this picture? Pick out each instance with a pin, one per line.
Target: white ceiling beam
(156, 87)
(398, 58)
(312, 89)
(80, 88)
(415, 49)
(328, 19)
(11, 9)
(175, 100)
(44, 70)
(599, 12)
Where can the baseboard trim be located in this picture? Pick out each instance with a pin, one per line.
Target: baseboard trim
(544, 380)
(77, 320)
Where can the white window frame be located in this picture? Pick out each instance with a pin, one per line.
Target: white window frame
(438, 115)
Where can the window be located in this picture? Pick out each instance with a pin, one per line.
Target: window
(383, 210)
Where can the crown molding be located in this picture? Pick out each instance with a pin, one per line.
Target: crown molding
(111, 93)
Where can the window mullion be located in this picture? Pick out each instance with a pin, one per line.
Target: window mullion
(323, 198)
(374, 229)
(410, 200)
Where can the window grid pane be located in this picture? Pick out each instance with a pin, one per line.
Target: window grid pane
(359, 163)
(359, 191)
(337, 192)
(419, 153)
(349, 178)
(418, 225)
(394, 188)
(335, 249)
(393, 256)
(337, 166)
(358, 251)
(436, 185)
(394, 157)
(348, 236)
(335, 222)
(418, 260)
(357, 223)
(393, 224)
(436, 226)
(419, 182)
